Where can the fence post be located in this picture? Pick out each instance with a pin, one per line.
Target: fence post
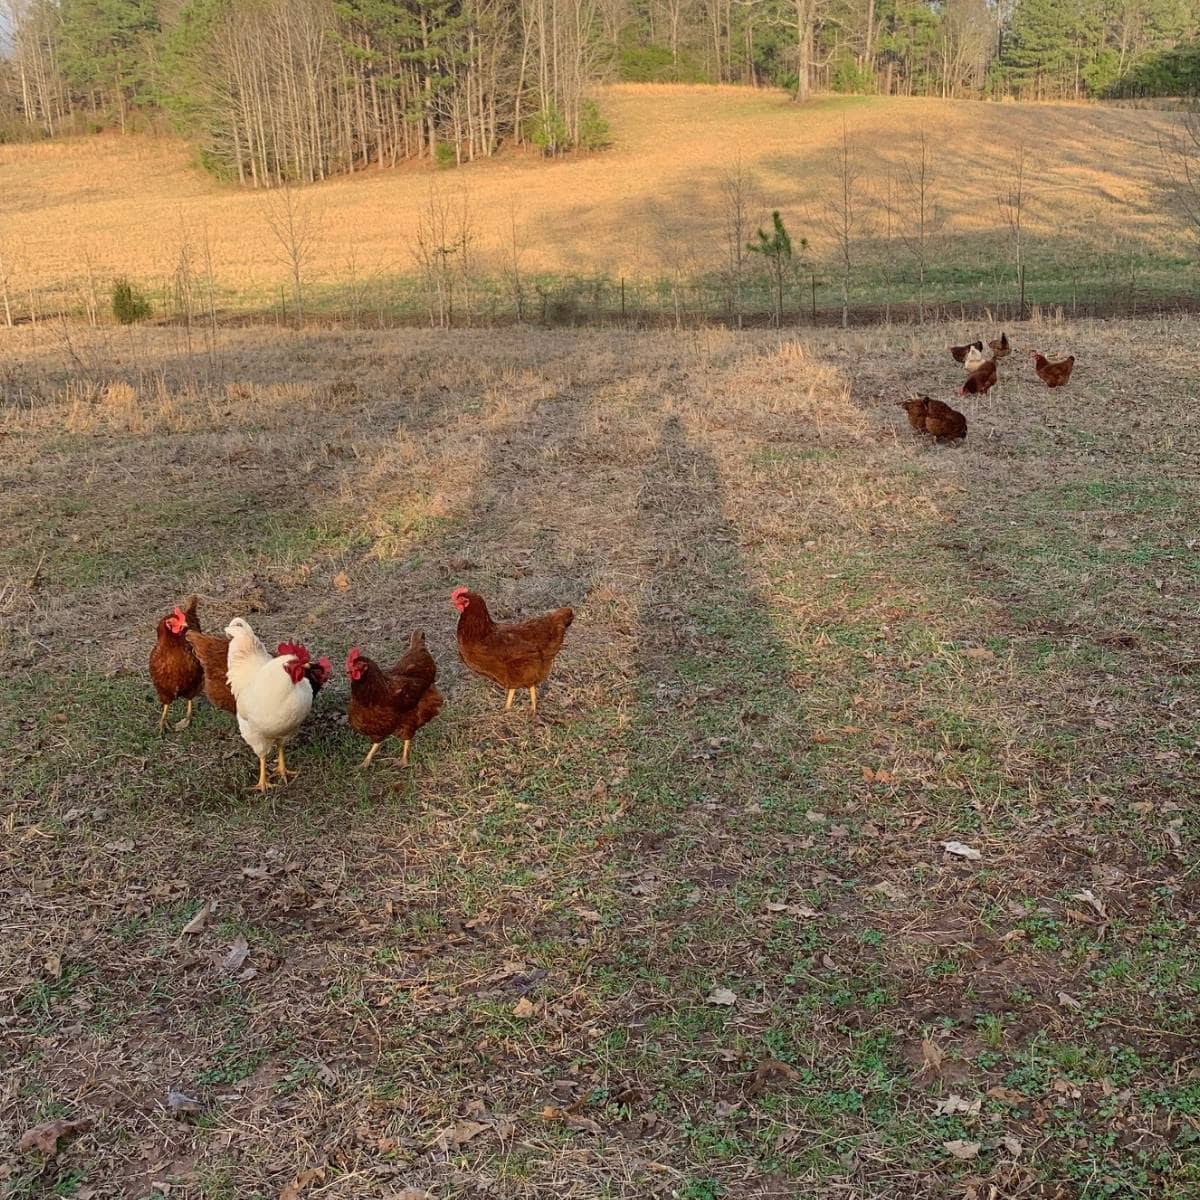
(814, 297)
(622, 297)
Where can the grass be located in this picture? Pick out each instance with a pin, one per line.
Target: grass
(1097, 228)
(809, 651)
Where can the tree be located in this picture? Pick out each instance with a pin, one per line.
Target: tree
(845, 213)
(1013, 200)
(293, 222)
(776, 250)
(920, 216)
(739, 194)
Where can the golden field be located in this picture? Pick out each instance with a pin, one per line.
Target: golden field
(648, 206)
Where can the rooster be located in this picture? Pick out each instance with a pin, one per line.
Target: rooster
(974, 360)
(399, 701)
(273, 694)
(174, 670)
(515, 655)
(1052, 374)
(213, 652)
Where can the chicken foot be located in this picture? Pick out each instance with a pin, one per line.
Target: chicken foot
(162, 721)
(404, 755)
(366, 762)
(281, 768)
(187, 720)
(262, 785)
(533, 699)
(508, 703)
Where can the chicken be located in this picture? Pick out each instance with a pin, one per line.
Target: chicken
(943, 423)
(946, 424)
(1053, 374)
(959, 353)
(174, 670)
(915, 407)
(1000, 347)
(213, 652)
(980, 380)
(974, 360)
(398, 701)
(514, 655)
(273, 694)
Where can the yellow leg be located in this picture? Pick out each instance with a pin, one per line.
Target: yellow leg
(508, 703)
(404, 756)
(162, 721)
(187, 720)
(533, 699)
(262, 785)
(366, 762)
(281, 767)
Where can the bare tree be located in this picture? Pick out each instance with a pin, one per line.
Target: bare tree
(921, 218)
(1013, 199)
(443, 249)
(845, 214)
(293, 221)
(5, 286)
(513, 263)
(740, 197)
(1181, 160)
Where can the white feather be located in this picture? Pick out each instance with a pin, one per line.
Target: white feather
(975, 358)
(270, 707)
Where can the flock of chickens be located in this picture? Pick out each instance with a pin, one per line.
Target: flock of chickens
(272, 694)
(946, 424)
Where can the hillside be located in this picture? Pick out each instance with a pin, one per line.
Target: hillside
(647, 207)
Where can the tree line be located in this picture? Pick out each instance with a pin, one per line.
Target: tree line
(272, 91)
(276, 91)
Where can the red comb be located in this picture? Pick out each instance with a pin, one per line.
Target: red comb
(459, 591)
(293, 648)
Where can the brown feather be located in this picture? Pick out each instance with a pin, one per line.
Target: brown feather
(517, 654)
(213, 652)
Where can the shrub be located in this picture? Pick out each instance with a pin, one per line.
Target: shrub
(593, 128)
(444, 155)
(548, 130)
(128, 304)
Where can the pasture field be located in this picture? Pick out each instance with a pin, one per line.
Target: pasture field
(650, 208)
(694, 932)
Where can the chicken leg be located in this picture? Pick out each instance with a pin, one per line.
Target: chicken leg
(533, 699)
(187, 720)
(281, 767)
(404, 756)
(366, 762)
(162, 721)
(508, 703)
(262, 785)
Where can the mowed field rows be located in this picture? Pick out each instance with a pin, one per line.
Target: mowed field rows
(649, 207)
(694, 932)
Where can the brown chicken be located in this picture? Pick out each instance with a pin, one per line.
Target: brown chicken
(1053, 374)
(915, 407)
(980, 380)
(174, 670)
(514, 655)
(959, 353)
(212, 649)
(396, 702)
(944, 423)
(1000, 347)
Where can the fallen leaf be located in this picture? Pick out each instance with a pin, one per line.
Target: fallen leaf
(767, 1071)
(961, 1149)
(121, 847)
(458, 1134)
(722, 996)
(956, 1104)
(291, 1191)
(589, 915)
(523, 1008)
(341, 581)
(817, 818)
(1011, 1144)
(886, 888)
(199, 917)
(411, 1194)
(53, 965)
(932, 1055)
(1068, 1001)
(180, 1104)
(980, 653)
(1008, 1095)
(961, 850)
(239, 950)
(1088, 897)
(46, 1137)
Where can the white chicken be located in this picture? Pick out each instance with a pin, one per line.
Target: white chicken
(273, 694)
(975, 358)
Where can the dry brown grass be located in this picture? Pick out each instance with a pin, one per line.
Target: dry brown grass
(649, 205)
(809, 650)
